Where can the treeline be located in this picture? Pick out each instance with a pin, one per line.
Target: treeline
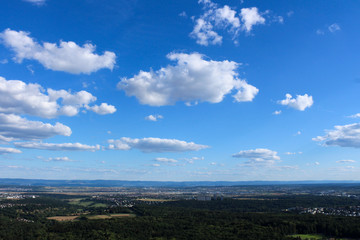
(227, 219)
(267, 204)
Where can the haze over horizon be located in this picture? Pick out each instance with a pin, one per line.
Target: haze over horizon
(180, 90)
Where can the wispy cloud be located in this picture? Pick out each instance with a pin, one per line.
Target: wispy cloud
(154, 145)
(13, 127)
(258, 156)
(57, 146)
(343, 136)
(346, 161)
(334, 27)
(9, 150)
(36, 2)
(59, 159)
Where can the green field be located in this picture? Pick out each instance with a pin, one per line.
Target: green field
(84, 203)
(309, 236)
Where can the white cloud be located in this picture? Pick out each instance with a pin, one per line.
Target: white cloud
(251, 17)
(166, 160)
(36, 2)
(346, 161)
(154, 118)
(258, 156)
(103, 109)
(320, 32)
(290, 153)
(57, 146)
(225, 18)
(154, 145)
(19, 97)
(204, 34)
(192, 79)
(343, 136)
(277, 112)
(9, 150)
(14, 127)
(301, 102)
(355, 115)
(293, 153)
(334, 27)
(183, 14)
(155, 165)
(245, 93)
(317, 163)
(68, 56)
(59, 159)
(192, 159)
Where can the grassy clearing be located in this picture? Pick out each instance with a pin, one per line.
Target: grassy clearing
(117, 215)
(98, 217)
(63, 218)
(82, 202)
(99, 205)
(122, 215)
(154, 200)
(308, 236)
(92, 217)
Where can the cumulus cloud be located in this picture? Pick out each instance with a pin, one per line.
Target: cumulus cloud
(154, 145)
(166, 160)
(154, 118)
(204, 34)
(277, 112)
(215, 18)
(9, 150)
(346, 161)
(343, 136)
(57, 146)
(301, 102)
(334, 27)
(258, 156)
(103, 109)
(192, 79)
(225, 16)
(67, 56)
(19, 97)
(13, 127)
(251, 17)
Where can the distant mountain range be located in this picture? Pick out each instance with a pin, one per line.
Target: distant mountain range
(121, 183)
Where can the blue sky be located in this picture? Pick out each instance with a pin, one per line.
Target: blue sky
(180, 90)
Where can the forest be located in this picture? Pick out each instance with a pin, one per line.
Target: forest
(262, 218)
